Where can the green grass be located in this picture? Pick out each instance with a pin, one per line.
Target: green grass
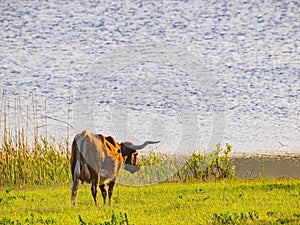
(223, 202)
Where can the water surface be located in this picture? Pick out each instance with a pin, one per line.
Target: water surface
(187, 73)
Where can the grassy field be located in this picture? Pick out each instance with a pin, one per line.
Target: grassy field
(223, 202)
(35, 186)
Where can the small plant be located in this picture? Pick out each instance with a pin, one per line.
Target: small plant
(7, 221)
(152, 158)
(220, 165)
(114, 221)
(37, 219)
(235, 218)
(214, 165)
(123, 220)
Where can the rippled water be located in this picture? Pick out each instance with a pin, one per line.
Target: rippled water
(187, 73)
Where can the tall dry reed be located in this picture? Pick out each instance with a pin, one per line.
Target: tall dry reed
(43, 162)
(46, 161)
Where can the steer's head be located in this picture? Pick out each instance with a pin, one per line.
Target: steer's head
(130, 153)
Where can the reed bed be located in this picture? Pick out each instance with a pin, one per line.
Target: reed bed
(44, 164)
(30, 156)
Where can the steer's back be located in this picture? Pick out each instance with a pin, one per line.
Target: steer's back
(102, 154)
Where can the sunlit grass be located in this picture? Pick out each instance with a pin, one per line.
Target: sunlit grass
(235, 202)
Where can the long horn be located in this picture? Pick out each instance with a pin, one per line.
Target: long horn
(138, 147)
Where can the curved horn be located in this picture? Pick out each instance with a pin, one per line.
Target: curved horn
(138, 147)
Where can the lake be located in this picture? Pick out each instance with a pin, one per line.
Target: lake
(188, 73)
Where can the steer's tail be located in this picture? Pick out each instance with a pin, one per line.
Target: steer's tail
(75, 169)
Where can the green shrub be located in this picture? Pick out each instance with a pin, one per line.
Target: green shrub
(158, 167)
(214, 165)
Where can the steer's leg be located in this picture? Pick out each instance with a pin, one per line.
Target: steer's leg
(94, 189)
(111, 186)
(104, 192)
(74, 191)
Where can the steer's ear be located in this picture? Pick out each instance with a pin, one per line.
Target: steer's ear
(126, 151)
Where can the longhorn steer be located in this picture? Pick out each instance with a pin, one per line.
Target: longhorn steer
(98, 159)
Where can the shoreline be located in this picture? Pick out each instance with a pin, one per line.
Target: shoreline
(266, 165)
(265, 155)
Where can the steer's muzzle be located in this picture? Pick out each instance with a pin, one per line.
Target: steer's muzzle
(132, 169)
